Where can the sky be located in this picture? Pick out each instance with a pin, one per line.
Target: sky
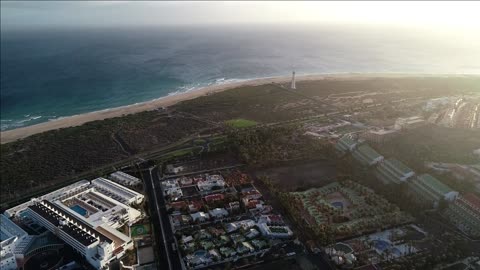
(440, 15)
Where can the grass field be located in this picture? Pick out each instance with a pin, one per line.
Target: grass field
(240, 123)
(140, 230)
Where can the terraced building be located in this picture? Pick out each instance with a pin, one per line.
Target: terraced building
(465, 213)
(393, 171)
(431, 190)
(366, 155)
(345, 145)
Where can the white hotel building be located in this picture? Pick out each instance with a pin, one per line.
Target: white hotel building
(85, 215)
(125, 179)
(11, 237)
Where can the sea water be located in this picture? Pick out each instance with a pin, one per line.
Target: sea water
(52, 73)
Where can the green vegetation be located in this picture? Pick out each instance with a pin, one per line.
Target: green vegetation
(263, 147)
(42, 161)
(140, 230)
(240, 123)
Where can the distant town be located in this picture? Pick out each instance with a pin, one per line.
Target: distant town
(362, 179)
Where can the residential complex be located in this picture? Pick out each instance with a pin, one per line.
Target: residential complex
(393, 171)
(219, 218)
(431, 190)
(347, 207)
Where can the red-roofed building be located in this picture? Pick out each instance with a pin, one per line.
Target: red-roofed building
(214, 198)
(465, 213)
(177, 205)
(195, 206)
(473, 200)
(252, 194)
(275, 220)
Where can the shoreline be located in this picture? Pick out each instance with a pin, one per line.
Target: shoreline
(169, 100)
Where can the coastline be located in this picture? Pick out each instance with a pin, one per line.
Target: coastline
(77, 120)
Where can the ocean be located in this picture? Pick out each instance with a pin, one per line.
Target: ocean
(51, 73)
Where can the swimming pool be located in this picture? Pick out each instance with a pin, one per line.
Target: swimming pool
(381, 245)
(77, 208)
(200, 253)
(338, 205)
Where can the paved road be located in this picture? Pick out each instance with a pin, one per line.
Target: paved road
(168, 258)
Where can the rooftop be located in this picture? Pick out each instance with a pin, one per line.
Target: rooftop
(366, 154)
(434, 183)
(473, 199)
(400, 166)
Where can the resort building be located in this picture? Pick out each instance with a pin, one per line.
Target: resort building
(346, 144)
(12, 237)
(64, 192)
(431, 190)
(409, 122)
(366, 155)
(393, 171)
(98, 249)
(85, 216)
(117, 192)
(380, 136)
(125, 179)
(275, 231)
(465, 213)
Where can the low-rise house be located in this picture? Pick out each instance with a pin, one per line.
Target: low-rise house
(214, 197)
(214, 253)
(248, 246)
(200, 216)
(233, 206)
(252, 233)
(211, 182)
(218, 213)
(227, 252)
(259, 244)
(207, 245)
(237, 238)
(187, 239)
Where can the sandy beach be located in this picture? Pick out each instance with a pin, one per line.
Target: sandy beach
(76, 120)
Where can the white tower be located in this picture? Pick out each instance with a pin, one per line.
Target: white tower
(293, 81)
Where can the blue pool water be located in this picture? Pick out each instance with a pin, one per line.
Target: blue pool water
(338, 205)
(77, 208)
(200, 253)
(381, 245)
